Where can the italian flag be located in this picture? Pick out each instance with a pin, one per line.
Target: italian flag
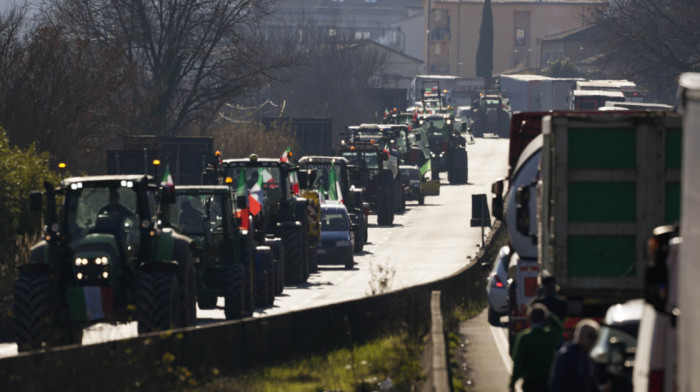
(256, 194)
(167, 178)
(285, 155)
(242, 214)
(294, 180)
(90, 303)
(334, 192)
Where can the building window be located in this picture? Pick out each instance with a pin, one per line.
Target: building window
(520, 37)
(362, 35)
(332, 32)
(438, 50)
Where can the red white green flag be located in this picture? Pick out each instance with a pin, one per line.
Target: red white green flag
(90, 303)
(334, 192)
(256, 194)
(285, 155)
(243, 213)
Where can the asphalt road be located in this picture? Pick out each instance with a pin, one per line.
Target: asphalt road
(425, 243)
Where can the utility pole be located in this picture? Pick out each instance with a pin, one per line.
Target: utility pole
(427, 34)
(459, 35)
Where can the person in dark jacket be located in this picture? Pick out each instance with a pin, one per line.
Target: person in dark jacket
(548, 297)
(573, 369)
(534, 349)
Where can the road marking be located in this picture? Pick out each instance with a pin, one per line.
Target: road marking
(502, 345)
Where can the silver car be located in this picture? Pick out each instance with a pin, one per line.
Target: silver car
(497, 287)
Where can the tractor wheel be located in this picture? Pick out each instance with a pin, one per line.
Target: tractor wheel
(278, 254)
(260, 288)
(33, 313)
(266, 264)
(293, 241)
(158, 302)
(421, 200)
(206, 302)
(359, 241)
(188, 295)
(272, 282)
(350, 263)
(233, 297)
(313, 258)
(385, 213)
(458, 166)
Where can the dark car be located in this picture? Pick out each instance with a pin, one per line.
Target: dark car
(336, 245)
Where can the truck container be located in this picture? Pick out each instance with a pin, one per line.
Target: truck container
(186, 157)
(536, 93)
(606, 181)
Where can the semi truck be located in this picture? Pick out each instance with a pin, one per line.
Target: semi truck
(584, 221)
(606, 181)
(667, 346)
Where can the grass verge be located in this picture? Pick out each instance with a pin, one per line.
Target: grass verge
(392, 360)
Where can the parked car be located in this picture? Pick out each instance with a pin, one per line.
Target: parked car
(497, 287)
(336, 245)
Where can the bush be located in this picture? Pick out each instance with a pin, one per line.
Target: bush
(22, 171)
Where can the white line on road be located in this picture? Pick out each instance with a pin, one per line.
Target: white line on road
(502, 345)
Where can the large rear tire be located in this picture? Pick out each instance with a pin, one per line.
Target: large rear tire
(359, 241)
(32, 311)
(278, 254)
(293, 240)
(458, 170)
(206, 302)
(385, 212)
(261, 292)
(158, 302)
(313, 258)
(233, 297)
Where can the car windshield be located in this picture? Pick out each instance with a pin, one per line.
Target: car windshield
(197, 214)
(334, 221)
(103, 208)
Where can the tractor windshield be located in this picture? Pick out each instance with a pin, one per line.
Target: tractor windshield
(101, 208)
(365, 159)
(198, 214)
(267, 178)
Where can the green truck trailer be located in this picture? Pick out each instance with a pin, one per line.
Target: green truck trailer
(606, 181)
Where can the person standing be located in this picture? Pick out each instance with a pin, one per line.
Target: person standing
(535, 348)
(573, 369)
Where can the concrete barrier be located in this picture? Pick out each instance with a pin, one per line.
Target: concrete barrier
(147, 362)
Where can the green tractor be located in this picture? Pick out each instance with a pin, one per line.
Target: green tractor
(279, 217)
(104, 258)
(227, 267)
(352, 197)
(448, 147)
(374, 167)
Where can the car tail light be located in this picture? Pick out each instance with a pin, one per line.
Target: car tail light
(656, 381)
(497, 281)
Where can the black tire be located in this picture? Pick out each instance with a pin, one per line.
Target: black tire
(403, 202)
(272, 283)
(32, 311)
(206, 302)
(365, 234)
(233, 297)
(493, 317)
(385, 213)
(350, 263)
(260, 288)
(293, 240)
(421, 199)
(248, 257)
(158, 302)
(313, 258)
(277, 254)
(458, 171)
(359, 241)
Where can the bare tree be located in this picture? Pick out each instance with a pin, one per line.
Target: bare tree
(651, 40)
(64, 96)
(191, 55)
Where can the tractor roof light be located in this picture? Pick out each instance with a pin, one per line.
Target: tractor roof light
(156, 162)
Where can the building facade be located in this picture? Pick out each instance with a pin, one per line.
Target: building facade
(452, 31)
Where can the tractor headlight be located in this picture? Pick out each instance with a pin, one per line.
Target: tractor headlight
(79, 275)
(102, 260)
(105, 275)
(80, 261)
